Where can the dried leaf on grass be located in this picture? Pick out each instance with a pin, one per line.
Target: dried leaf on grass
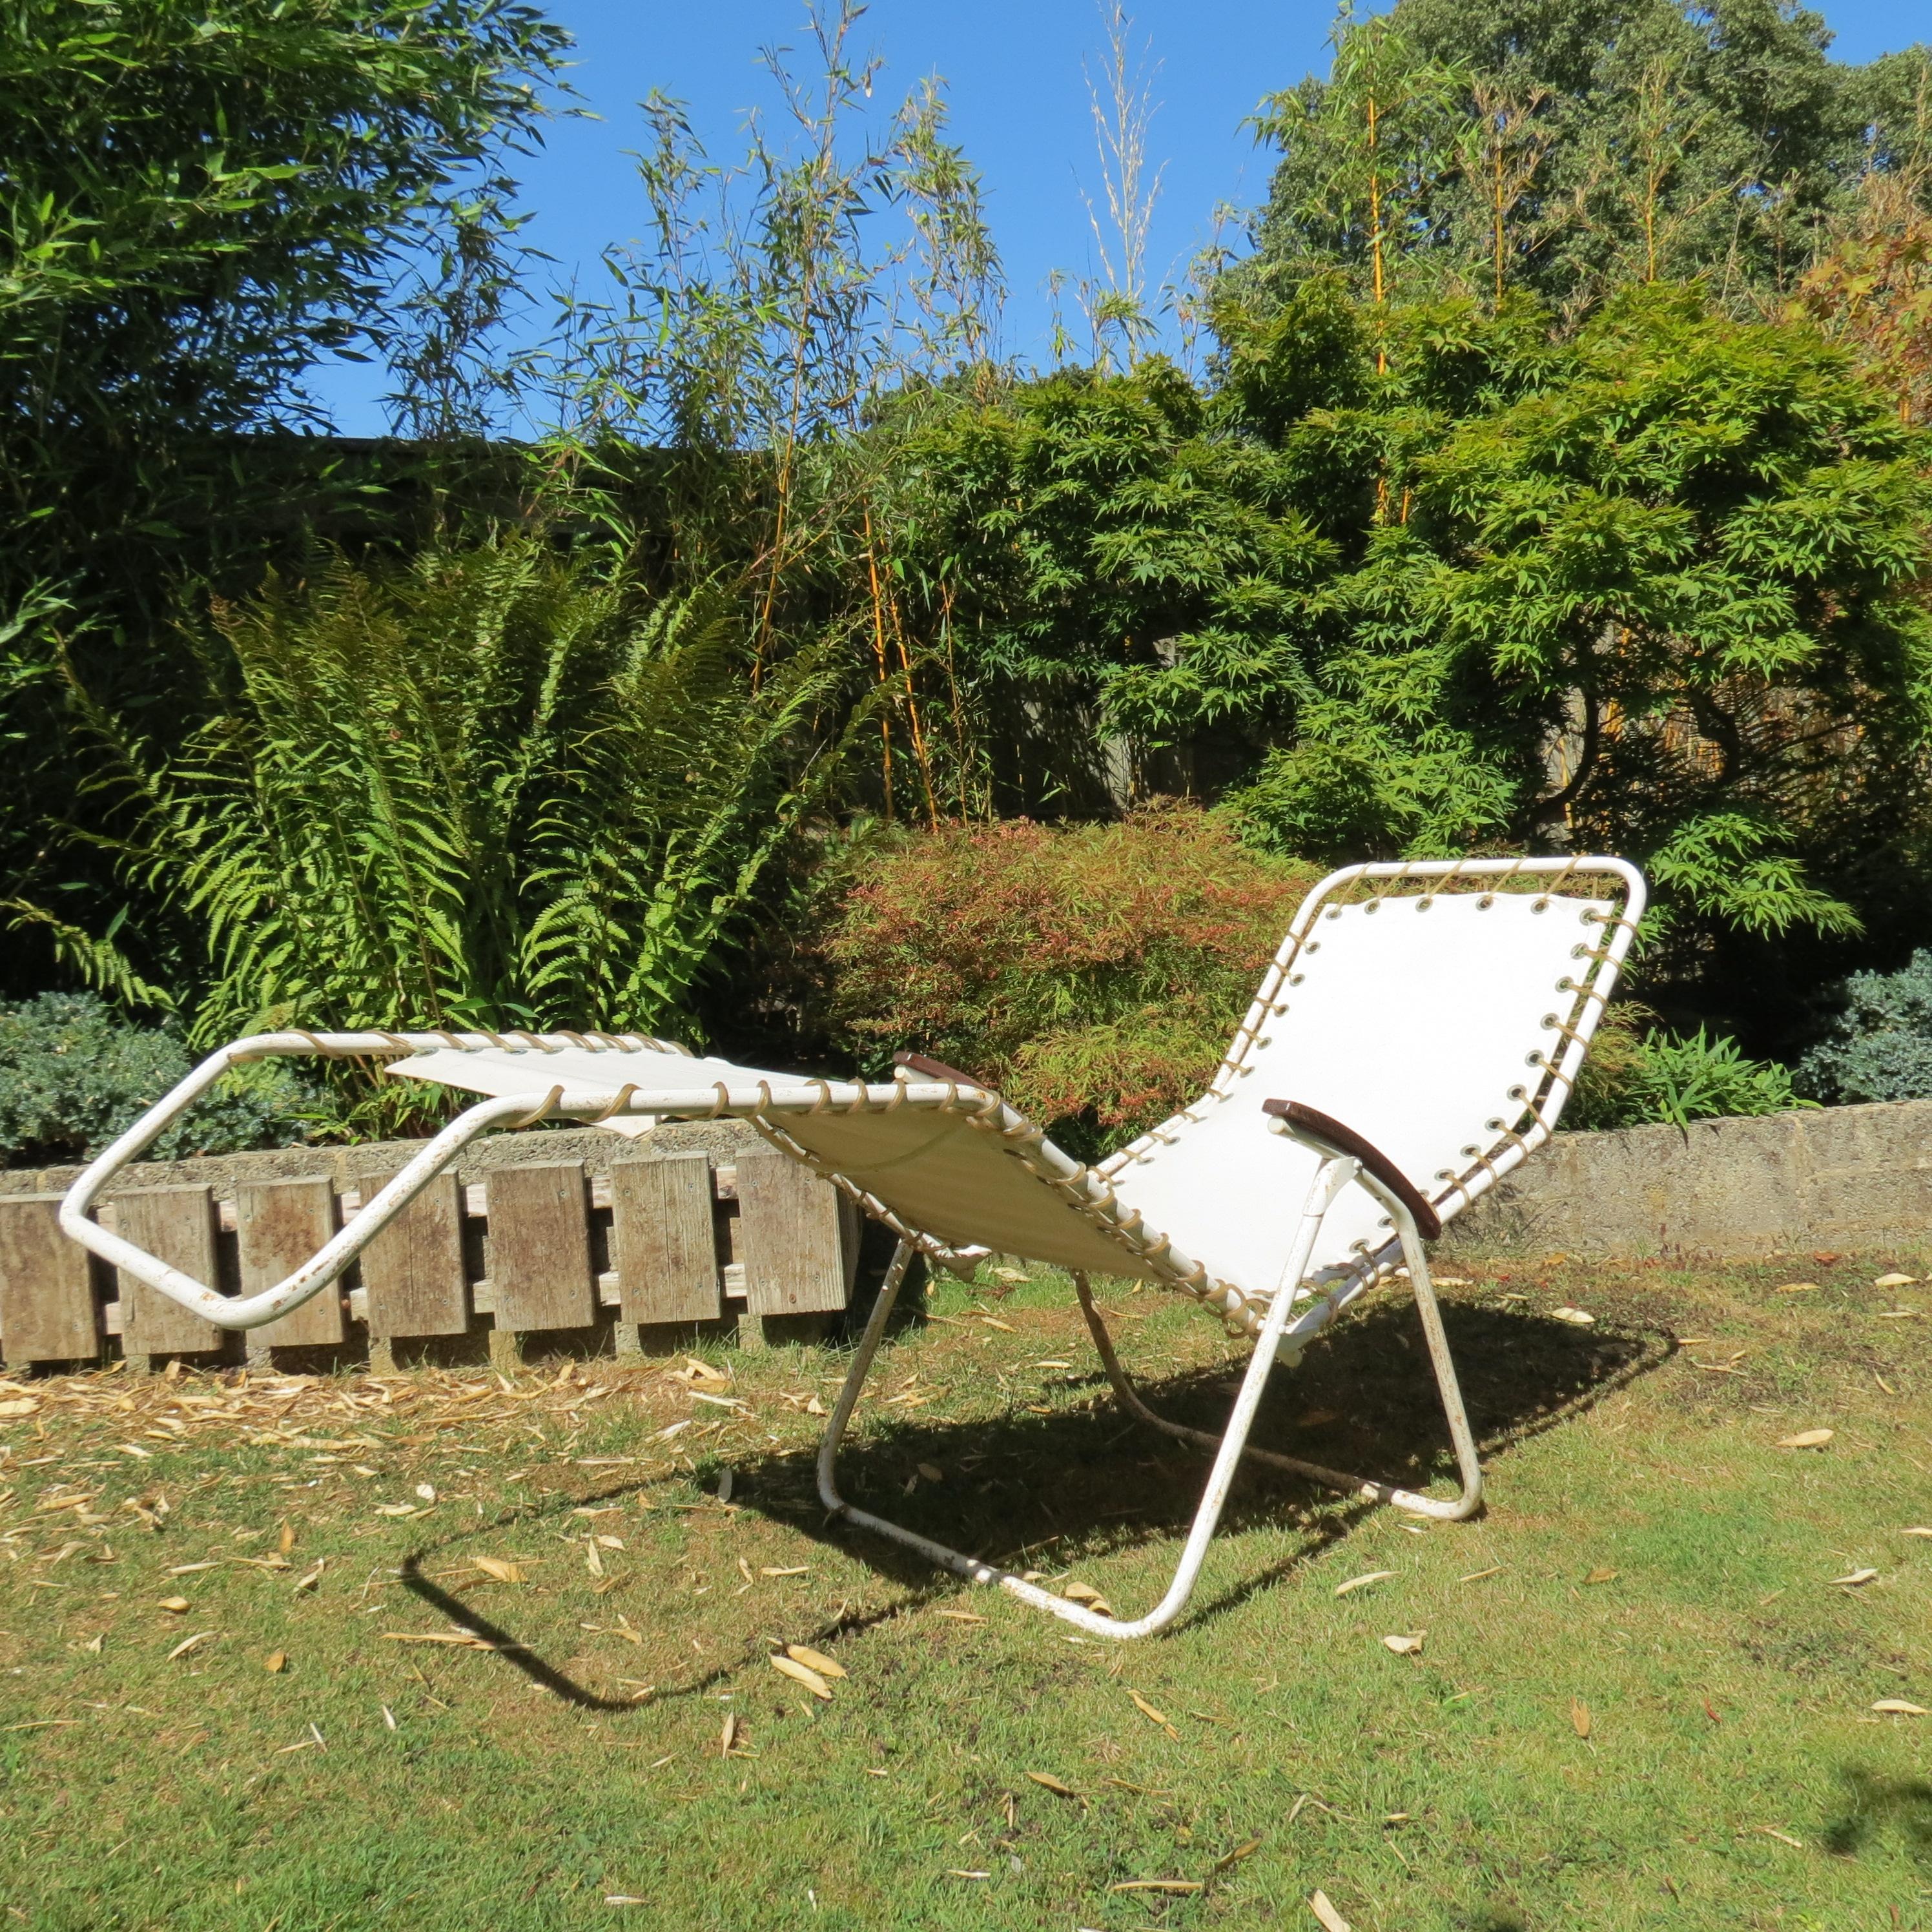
(1246, 1850)
(188, 1644)
(1179, 1886)
(1326, 1916)
(1363, 1582)
(1577, 1318)
(1086, 1594)
(23, 1405)
(174, 1605)
(501, 1568)
(814, 1660)
(1782, 1837)
(1896, 1281)
(1600, 1576)
(1152, 1716)
(728, 1737)
(1403, 1646)
(791, 1569)
(1048, 1782)
(275, 1661)
(962, 1616)
(1579, 1717)
(1806, 1438)
(1855, 1578)
(801, 1673)
(1896, 1707)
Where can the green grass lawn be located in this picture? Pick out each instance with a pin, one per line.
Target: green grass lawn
(1641, 1699)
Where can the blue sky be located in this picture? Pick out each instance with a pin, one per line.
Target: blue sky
(1013, 74)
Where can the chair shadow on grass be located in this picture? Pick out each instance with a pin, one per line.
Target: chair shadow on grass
(1081, 1482)
(1875, 1803)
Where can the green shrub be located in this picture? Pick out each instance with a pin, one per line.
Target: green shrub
(1880, 1048)
(1095, 974)
(1638, 1075)
(74, 1074)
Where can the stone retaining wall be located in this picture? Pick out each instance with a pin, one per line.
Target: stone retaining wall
(1853, 1178)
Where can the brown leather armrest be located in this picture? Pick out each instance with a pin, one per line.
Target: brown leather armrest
(1325, 1127)
(936, 1070)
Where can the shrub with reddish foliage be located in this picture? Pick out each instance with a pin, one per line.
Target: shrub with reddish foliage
(1094, 974)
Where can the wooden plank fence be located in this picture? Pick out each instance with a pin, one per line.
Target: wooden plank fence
(542, 1248)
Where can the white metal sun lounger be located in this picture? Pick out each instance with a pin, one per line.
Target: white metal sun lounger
(1414, 1040)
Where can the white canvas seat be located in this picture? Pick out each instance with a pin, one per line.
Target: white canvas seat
(1414, 1039)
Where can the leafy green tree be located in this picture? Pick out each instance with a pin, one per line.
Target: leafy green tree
(1082, 535)
(202, 201)
(1583, 144)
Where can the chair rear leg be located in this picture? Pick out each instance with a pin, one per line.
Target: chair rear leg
(1362, 1487)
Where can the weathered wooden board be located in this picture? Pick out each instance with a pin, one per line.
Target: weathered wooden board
(46, 1288)
(664, 1239)
(279, 1224)
(788, 1236)
(174, 1225)
(413, 1269)
(540, 1271)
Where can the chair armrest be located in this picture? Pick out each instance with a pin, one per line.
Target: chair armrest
(1344, 1139)
(936, 1069)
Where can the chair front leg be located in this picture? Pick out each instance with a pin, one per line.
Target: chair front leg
(1330, 1179)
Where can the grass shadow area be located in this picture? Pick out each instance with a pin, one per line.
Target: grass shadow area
(1040, 1486)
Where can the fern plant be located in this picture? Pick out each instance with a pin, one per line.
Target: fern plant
(498, 787)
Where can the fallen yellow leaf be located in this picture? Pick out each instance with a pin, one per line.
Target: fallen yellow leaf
(814, 1660)
(1046, 1780)
(503, 1571)
(1178, 1886)
(1403, 1646)
(1579, 1717)
(1363, 1582)
(188, 1644)
(1896, 1707)
(1326, 1916)
(1148, 1712)
(1896, 1281)
(275, 1660)
(1806, 1438)
(174, 1605)
(1600, 1576)
(801, 1673)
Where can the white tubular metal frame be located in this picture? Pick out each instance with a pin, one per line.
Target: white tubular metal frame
(1330, 1178)
(1280, 1323)
(713, 1100)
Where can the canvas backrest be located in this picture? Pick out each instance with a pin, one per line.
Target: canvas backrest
(1440, 1011)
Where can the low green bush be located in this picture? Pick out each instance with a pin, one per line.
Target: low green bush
(1880, 1046)
(1637, 1074)
(1094, 974)
(74, 1074)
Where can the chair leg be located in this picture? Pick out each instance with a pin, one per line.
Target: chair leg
(1329, 1181)
(1464, 1505)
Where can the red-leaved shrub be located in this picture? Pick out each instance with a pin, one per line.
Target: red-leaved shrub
(1094, 974)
